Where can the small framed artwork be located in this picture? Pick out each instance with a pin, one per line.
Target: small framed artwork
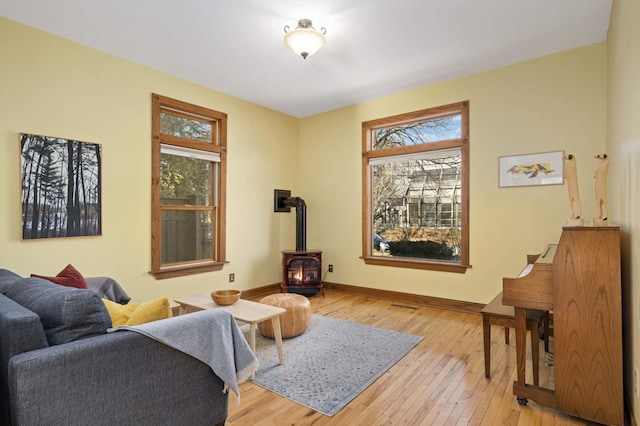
(61, 187)
(545, 168)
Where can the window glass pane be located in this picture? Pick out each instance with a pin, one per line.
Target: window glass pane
(417, 206)
(189, 128)
(432, 130)
(186, 236)
(185, 181)
(188, 193)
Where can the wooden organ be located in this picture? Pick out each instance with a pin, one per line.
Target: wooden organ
(579, 280)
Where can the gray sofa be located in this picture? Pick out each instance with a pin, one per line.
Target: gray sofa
(58, 370)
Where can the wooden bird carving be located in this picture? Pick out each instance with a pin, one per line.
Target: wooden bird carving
(600, 189)
(571, 177)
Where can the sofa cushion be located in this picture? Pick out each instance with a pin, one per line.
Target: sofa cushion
(66, 313)
(69, 277)
(7, 278)
(138, 313)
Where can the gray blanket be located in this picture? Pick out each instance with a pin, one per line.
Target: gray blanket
(108, 288)
(211, 336)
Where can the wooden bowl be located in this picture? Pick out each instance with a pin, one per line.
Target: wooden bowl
(225, 297)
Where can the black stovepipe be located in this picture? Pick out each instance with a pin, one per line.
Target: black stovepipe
(301, 221)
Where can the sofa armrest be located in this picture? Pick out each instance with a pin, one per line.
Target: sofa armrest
(120, 378)
(20, 331)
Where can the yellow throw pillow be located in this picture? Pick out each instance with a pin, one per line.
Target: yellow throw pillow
(138, 313)
(153, 310)
(119, 313)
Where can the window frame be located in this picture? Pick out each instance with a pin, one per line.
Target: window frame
(217, 146)
(462, 143)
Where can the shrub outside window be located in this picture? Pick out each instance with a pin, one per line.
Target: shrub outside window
(415, 189)
(188, 188)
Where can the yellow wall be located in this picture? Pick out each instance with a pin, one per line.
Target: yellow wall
(624, 186)
(553, 103)
(53, 87)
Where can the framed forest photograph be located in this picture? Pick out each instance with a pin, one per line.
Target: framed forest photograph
(61, 187)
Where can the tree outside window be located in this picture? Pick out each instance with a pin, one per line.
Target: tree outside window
(415, 189)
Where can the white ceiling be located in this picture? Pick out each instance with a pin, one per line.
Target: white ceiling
(374, 47)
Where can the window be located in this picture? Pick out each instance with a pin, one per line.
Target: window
(415, 170)
(188, 188)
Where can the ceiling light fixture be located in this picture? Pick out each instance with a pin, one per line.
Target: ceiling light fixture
(304, 39)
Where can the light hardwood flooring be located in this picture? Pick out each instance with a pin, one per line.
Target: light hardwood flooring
(440, 382)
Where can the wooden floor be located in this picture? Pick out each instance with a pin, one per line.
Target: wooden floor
(440, 382)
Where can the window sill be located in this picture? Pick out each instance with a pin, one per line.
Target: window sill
(190, 269)
(403, 262)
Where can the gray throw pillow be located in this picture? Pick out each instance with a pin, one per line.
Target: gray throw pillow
(66, 313)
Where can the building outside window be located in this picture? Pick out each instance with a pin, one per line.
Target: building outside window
(415, 189)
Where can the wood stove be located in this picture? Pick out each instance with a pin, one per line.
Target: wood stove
(301, 268)
(302, 271)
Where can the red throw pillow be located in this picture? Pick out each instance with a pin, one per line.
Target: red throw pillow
(69, 277)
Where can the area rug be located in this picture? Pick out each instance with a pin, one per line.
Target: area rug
(331, 363)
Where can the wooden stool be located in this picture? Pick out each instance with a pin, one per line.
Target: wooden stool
(495, 313)
(294, 321)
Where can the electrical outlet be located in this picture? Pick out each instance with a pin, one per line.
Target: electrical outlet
(330, 268)
(232, 277)
(636, 385)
